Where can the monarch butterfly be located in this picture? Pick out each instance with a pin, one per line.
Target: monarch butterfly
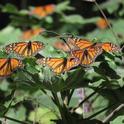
(8, 65)
(87, 56)
(66, 47)
(73, 44)
(83, 44)
(59, 65)
(30, 33)
(43, 11)
(25, 49)
(109, 47)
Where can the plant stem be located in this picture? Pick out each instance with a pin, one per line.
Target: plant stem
(108, 118)
(87, 98)
(15, 120)
(59, 107)
(97, 113)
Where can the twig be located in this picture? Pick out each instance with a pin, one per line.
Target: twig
(12, 94)
(106, 20)
(113, 113)
(97, 113)
(15, 120)
(87, 98)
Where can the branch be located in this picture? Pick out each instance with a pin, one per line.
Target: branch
(15, 120)
(113, 113)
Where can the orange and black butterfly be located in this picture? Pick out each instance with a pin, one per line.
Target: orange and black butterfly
(30, 33)
(43, 11)
(59, 65)
(77, 43)
(87, 56)
(109, 47)
(8, 66)
(73, 44)
(25, 49)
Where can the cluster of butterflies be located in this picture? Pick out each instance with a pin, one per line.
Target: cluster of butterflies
(81, 52)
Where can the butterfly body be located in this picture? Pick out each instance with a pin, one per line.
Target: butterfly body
(87, 56)
(8, 65)
(25, 49)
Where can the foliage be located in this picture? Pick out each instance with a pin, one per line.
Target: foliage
(35, 94)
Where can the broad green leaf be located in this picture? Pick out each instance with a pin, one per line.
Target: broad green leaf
(42, 116)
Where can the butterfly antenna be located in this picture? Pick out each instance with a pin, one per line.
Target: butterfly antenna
(66, 43)
(52, 32)
(64, 35)
(106, 20)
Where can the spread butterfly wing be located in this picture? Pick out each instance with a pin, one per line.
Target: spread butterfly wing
(79, 43)
(66, 47)
(88, 55)
(73, 44)
(109, 47)
(59, 65)
(25, 49)
(7, 66)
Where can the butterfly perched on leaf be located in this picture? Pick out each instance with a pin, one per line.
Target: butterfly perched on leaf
(59, 65)
(25, 49)
(43, 11)
(78, 43)
(8, 66)
(87, 56)
(109, 47)
(72, 43)
(32, 32)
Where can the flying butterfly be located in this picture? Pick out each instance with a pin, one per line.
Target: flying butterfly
(25, 49)
(8, 66)
(59, 65)
(43, 11)
(87, 56)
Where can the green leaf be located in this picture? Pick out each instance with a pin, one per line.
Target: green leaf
(43, 115)
(63, 6)
(9, 8)
(118, 120)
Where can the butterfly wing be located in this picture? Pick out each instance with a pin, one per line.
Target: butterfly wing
(71, 63)
(25, 49)
(59, 65)
(109, 47)
(30, 33)
(63, 46)
(49, 8)
(79, 43)
(38, 11)
(7, 66)
(88, 55)
(56, 64)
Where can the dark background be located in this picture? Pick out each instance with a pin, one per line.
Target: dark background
(81, 7)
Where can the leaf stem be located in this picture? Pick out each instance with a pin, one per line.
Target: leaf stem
(15, 120)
